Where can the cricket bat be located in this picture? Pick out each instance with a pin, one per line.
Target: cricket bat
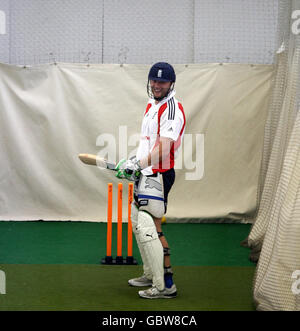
(92, 159)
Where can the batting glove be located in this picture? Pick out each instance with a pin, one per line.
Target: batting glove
(128, 169)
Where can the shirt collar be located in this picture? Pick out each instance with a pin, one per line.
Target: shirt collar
(168, 97)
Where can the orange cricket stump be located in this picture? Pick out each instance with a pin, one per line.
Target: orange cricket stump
(129, 258)
(108, 258)
(119, 258)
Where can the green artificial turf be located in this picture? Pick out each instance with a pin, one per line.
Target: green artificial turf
(105, 288)
(56, 266)
(85, 243)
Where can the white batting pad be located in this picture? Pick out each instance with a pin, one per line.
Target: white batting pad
(134, 221)
(146, 231)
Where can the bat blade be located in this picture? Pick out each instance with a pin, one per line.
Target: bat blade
(92, 159)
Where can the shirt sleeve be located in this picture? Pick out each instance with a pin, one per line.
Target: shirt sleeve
(171, 124)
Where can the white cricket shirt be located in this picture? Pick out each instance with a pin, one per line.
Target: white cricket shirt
(165, 119)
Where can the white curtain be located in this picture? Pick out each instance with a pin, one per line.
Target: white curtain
(50, 113)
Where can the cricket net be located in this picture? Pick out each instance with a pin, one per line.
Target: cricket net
(275, 233)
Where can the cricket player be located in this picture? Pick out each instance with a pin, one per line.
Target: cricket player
(152, 169)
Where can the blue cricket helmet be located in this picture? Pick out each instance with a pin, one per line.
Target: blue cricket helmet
(163, 72)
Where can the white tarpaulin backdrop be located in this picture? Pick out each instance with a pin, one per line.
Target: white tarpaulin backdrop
(50, 113)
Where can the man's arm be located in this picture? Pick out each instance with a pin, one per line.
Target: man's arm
(158, 154)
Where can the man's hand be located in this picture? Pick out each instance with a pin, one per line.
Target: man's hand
(129, 169)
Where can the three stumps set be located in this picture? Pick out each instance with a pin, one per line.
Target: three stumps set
(108, 259)
(101, 163)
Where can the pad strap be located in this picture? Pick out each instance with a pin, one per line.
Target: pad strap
(168, 270)
(166, 251)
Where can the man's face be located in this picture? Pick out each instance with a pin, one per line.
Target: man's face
(160, 89)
